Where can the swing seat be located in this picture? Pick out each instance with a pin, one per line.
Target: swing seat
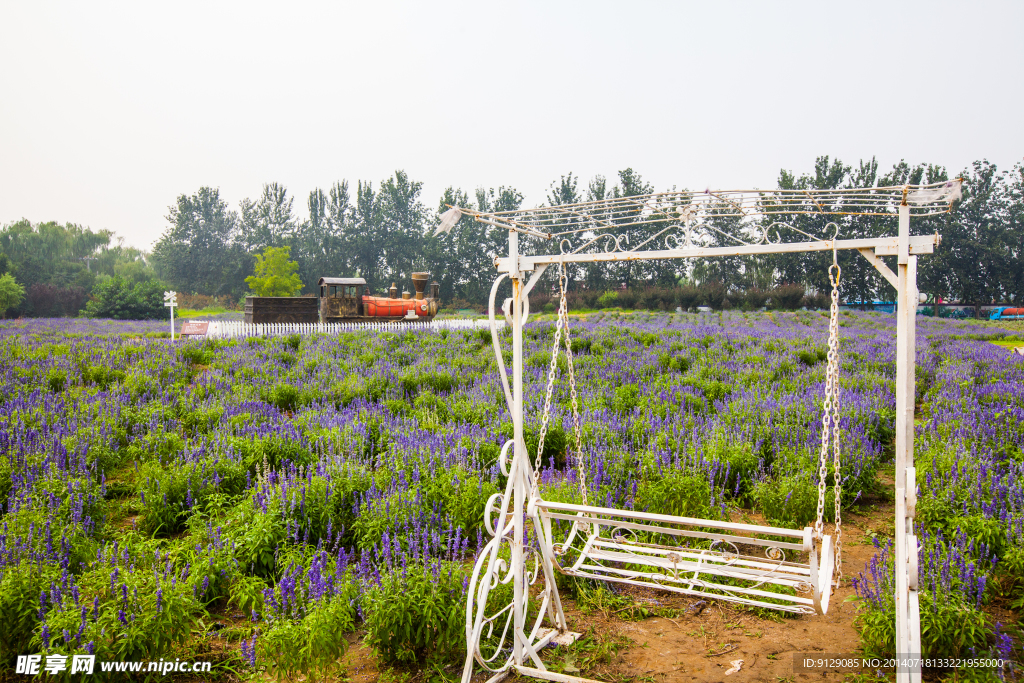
(608, 547)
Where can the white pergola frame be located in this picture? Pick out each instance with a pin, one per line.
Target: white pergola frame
(672, 216)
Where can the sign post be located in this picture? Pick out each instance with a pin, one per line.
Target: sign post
(171, 300)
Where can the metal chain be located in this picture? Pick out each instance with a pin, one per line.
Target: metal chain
(830, 420)
(563, 312)
(834, 370)
(561, 324)
(546, 415)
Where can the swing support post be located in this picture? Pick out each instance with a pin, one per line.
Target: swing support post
(519, 457)
(908, 628)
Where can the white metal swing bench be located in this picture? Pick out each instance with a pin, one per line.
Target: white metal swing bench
(706, 560)
(739, 563)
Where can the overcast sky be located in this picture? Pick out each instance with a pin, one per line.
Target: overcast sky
(109, 111)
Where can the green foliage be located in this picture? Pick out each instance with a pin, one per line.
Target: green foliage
(948, 629)
(169, 495)
(738, 463)
(811, 357)
(607, 300)
(436, 381)
(787, 297)
(677, 493)
(122, 299)
(311, 644)
(792, 501)
(11, 293)
(257, 536)
(275, 273)
(196, 253)
(677, 363)
(284, 396)
(417, 616)
(58, 265)
(625, 398)
(154, 614)
(196, 354)
(56, 380)
(20, 588)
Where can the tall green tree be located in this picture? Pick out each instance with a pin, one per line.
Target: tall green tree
(50, 252)
(450, 256)
(361, 241)
(58, 264)
(809, 269)
(403, 221)
(635, 231)
(319, 240)
(268, 221)
(196, 253)
(1013, 286)
(978, 260)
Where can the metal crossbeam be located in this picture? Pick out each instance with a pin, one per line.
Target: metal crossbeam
(883, 246)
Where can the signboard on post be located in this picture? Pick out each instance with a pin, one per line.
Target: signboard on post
(194, 329)
(171, 300)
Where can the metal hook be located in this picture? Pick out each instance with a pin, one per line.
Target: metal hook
(834, 280)
(835, 236)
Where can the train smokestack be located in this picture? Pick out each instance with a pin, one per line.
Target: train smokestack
(419, 282)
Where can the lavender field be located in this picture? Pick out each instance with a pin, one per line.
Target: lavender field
(251, 501)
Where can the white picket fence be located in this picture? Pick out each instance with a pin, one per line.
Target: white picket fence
(224, 329)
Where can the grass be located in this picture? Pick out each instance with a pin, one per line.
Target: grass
(199, 313)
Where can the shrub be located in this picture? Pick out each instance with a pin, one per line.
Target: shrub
(284, 396)
(306, 617)
(123, 300)
(687, 297)
(608, 300)
(811, 357)
(11, 293)
(20, 588)
(434, 380)
(787, 297)
(581, 345)
(677, 493)
(50, 301)
(738, 464)
(755, 298)
(196, 354)
(625, 398)
(56, 380)
(817, 301)
(792, 501)
(416, 616)
(713, 294)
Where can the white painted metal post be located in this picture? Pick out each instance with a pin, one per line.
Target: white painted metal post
(906, 308)
(520, 457)
(913, 604)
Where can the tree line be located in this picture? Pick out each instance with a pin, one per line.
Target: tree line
(54, 270)
(384, 232)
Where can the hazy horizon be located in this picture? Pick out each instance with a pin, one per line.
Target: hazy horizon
(112, 111)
